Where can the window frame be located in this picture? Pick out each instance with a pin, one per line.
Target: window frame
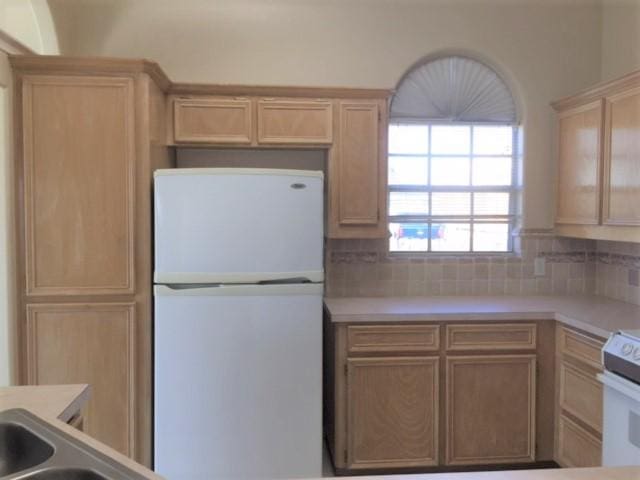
(513, 189)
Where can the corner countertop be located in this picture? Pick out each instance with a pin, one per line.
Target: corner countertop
(600, 473)
(57, 404)
(597, 315)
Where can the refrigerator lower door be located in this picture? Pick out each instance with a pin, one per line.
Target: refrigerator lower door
(238, 382)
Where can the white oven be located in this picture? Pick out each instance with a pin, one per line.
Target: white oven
(621, 415)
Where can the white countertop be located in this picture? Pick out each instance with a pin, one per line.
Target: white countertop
(597, 315)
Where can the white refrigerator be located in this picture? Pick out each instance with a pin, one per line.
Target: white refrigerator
(238, 323)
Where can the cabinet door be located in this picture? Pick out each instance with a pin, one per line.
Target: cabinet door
(295, 121)
(78, 185)
(578, 191)
(357, 172)
(581, 394)
(622, 159)
(577, 447)
(490, 409)
(392, 412)
(85, 343)
(216, 120)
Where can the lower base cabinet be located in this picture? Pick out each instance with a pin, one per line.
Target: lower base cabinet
(425, 395)
(392, 412)
(576, 446)
(490, 409)
(93, 344)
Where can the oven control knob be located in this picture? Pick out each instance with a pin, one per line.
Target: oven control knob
(636, 354)
(627, 348)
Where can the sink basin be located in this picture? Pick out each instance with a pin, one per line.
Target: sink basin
(20, 449)
(34, 449)
(65, 474)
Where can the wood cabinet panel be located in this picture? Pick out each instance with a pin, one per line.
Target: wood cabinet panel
(78, 146)
(577, 447)
(490, 409)
(581, 395)
(392, 412)
(622, 159)
(88, 343)
(393, 338)
(357, 172)
(215, 120)
(513, 336)
(295, 121)
(578, 192)
(580, 347)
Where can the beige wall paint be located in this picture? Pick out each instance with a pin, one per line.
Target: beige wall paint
(30, 23)
(6, 232)
(620, 37)
(546, 48)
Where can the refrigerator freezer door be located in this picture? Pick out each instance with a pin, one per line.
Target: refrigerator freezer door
(237, 225)
(238, 382)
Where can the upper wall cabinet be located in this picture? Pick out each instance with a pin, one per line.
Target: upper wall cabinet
(578, 200)
(358, 171)
(217, 120)
(622, 159)
(297, 121)
(598, 194)
(78, 184)
(351, 124)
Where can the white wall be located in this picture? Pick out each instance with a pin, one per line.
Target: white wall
(29, 22)
(620, 37)
(547, 48)
(6, 221)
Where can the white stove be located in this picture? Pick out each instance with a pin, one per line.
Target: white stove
(621, 415)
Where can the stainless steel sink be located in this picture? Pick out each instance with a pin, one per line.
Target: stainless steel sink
(32, 449)
(20, 449)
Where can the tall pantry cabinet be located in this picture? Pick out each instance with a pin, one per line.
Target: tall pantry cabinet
(89, 134)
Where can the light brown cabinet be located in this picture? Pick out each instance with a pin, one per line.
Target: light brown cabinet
(579, 399)
(410, 395)
(93, 343)
(295, 121)
(579, 160)
(490, 409)
(213, 120)
(89, 133)
(392, 406)
(598, 190)
(622, 159)
(358, 171)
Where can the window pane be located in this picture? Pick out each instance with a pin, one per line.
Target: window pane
(490, 237)
(450, 237)
(408, 203)
(451, 203)
(450, 171)
(409, 237)
(408, 170)
(489, 140)
(491, 203)
(408, 139)
(492, 171)
(449, 140)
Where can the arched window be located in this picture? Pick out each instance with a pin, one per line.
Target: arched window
(452, 168)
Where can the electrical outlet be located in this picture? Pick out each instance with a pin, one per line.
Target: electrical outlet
(539, 266)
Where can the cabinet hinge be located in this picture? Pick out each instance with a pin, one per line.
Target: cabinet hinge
(345, 456)
(346, 370)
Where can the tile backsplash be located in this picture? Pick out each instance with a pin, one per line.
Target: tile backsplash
(572, 266)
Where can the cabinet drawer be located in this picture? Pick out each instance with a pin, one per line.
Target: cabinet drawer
(576, 446)
(513, 336)
(581, 347)
(393, 338)
(295, 121)
(212, 120)
(581, 395)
